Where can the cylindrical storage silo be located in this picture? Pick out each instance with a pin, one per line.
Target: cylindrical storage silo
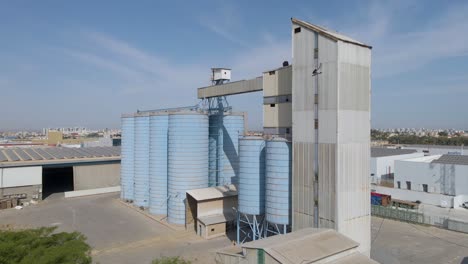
(141, 186)
(233, 127)
(251, 193)
(187, 160)
(127, 157)
(159, 123)
(278, 181)
(215, 149)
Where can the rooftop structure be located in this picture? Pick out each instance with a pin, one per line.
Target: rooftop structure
(14, 157)
(385, 152)
(309, 245)
(452, 159)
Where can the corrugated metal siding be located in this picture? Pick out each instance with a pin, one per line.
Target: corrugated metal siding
(159, 124)
(252, 175)
(141, 160)
(87, 177)
(353, 148)
(239, 87)
(187, 160)
(127, 170)
(327, 163)
(328, 79)
(303, 190)
(22, 176)
(278, 181)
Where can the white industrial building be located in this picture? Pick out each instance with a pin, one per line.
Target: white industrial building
(443, 175)
(35, 173)
(440, 180)
(382, 164)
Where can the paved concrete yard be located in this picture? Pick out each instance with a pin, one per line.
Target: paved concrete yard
(119, 234)
(398, 242)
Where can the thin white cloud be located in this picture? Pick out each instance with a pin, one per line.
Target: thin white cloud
(225, 21)
(397, 52)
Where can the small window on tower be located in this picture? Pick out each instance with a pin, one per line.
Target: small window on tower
(297, 30)
(271, 73)
(316, 124)
(272, 105)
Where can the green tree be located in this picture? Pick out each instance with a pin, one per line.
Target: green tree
(170, 260)
(43, 246)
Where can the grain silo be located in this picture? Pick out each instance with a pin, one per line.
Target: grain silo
(224, 133)
(187, 159)
(278, 186)
(215, 149)
(141, 160)
(251, 207)
(159, 123)
(127, 153)
(233, 127)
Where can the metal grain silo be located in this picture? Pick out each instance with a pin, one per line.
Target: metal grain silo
(233, 127)
(187, 159)
(215, 149)
(252, 175)
(141, 187)
(127, 155)
(278, 181)
(159, 123)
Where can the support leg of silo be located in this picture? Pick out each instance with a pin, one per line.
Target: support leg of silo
(238, 228)
(254, 227)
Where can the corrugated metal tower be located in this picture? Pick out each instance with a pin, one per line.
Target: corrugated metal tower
(331, 123)
(141, 187)
(187, 159)
(126, 164)
(159, 123)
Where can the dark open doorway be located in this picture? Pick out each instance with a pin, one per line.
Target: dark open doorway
(56, 180)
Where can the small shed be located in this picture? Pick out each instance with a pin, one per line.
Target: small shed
(210, 211)
(309, 245)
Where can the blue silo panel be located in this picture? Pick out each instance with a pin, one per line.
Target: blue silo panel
(233, 127)
(215, 147)
(251, 175)
(187, 160)
(127, 153)
(278, 181)
(141, 187)
(159, 124)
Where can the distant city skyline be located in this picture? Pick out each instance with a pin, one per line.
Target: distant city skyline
(85, 63)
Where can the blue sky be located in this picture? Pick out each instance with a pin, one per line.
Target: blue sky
(66, 63)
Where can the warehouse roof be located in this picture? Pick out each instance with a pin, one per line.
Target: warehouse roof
(213, 192)
(452, 159)
(307, 246)
(384, 152)
(47, 155)
(328, 33)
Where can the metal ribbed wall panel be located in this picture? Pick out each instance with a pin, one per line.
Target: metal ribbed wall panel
(127, 168)
(187, 160)
(252, 175)
(141, 186)
(215, 147)
(278, 181)
(159, 124)
(233, 128)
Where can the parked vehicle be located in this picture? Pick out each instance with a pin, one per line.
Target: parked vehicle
(465, 205)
